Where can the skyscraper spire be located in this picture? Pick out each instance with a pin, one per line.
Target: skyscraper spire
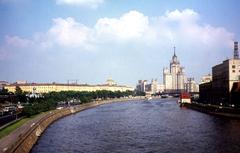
(174, 58)
(174, 48)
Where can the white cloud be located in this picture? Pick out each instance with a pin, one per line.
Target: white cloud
(129, 26)
(185, 16)
(131, 41)
(16, 41)
(68, 33)
(181, 27)
(86, 3)
(184, 27)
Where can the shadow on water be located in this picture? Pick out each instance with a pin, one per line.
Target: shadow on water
(144, 126)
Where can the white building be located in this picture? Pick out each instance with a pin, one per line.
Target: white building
(206, 78)
(160, 88)
(2, 84)
(141, 86)
(191, 85)
(174, 79)
(150, 88)
(154, 86)
(111, 82)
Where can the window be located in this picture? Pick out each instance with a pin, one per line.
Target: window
(233, 66)
(233, 71)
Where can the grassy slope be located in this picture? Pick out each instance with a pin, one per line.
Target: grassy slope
(5, 131)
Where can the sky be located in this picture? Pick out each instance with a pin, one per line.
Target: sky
(126, 40)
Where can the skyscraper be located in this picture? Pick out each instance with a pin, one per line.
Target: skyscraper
(174, 78)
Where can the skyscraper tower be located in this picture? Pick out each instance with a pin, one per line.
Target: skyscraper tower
(174, 78)
(236, 55)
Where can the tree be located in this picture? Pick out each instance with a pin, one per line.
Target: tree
(21, 96)
(50, 100)
(4, 91)
(18, 91)
(140, 93)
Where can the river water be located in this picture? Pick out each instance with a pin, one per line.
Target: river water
(159, 126)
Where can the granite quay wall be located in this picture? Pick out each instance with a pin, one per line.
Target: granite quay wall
(215, 110)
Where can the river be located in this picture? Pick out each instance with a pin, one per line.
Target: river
(159, 126)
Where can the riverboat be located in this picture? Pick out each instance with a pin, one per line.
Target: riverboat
(165, 96)
(148, 98)
(185, 98)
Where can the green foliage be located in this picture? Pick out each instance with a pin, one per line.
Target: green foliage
(140, 93)
(40, 105)
(29, 110)
(18, 91)
(10, 128)
(4, 91)
(20, 95)
(50, 100)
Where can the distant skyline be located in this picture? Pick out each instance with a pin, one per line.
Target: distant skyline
(92, 40)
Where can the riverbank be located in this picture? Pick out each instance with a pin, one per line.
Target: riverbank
(215, 110)
(10, 127)
(22, 139)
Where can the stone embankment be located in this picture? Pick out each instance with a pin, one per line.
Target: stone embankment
(23, 138)
(215, 110)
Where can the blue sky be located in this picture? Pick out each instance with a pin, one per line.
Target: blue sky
(128, 40)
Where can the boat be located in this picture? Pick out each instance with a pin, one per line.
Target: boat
(185, 98)
(164, 96)
(148, 98)
(176, 95)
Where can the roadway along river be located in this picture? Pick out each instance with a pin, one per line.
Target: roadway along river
(141, 127)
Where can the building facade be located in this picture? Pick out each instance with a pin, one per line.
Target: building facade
(206, 78)
(224, 75)
(191, 85)
(160, 88)
(149, 88)
(2, 84)
(174, 78)
(57, 87)
(141, 86)
(154, 86)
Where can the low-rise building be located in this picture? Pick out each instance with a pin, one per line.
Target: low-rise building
(2, 84)
(141, 86)
(191, 85)
(150, 88)
(206, 78)
(57, 87)
(160, 88)
(21, 81)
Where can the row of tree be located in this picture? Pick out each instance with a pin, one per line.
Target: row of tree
(49, 101)
(34, 105)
